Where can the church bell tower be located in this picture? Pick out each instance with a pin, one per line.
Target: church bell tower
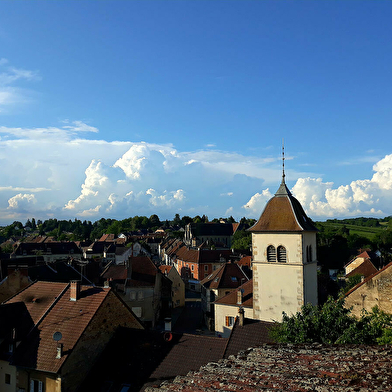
(284, 258)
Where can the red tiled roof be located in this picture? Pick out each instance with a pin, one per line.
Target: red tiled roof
(293, 368)
(68, 317)
(253, 333)
(190, 353)
(368, 278)
(165, 269)
(38, 297)
(229, 275)
(116, 272)
(283, 213)
(143, 265)
(247, 296)
(366, 269)
(246, 260)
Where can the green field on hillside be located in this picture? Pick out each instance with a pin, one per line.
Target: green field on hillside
(362, 231)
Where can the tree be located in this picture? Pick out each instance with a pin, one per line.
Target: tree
(242, 240)
(333, 323)
(154, 221)
(177, 220)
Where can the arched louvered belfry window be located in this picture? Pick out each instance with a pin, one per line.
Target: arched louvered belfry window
(271, 254)
(310, 254)
(307, 254)
(282, 256)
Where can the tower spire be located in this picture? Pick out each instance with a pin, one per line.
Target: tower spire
(283, 190)
(283, 175)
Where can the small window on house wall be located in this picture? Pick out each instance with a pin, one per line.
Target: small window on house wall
(132, 295)
(282, 257)
(8, 378)
(310, 254)
(229, 321)
(271, 254)
(192, 267)
(140, 295)
(36, 386)
(206, 268)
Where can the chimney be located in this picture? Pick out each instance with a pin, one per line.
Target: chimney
(59, 353)
(75, 290)
(241, 316)
(239, 297)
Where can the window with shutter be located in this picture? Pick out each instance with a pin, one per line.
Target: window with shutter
(282, 257)
(271, 254)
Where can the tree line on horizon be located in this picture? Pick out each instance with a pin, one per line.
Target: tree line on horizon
(77, 230)
(335, 240)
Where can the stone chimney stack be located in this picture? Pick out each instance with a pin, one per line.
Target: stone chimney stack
(75, 290)
(241, 316)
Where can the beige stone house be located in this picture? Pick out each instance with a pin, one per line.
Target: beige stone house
(227, 308)
(178, 285)
(375, 290)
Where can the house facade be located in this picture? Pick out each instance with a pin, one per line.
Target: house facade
(220, 234)
(221, 282)
(178, 285)
(227, 308)
(375, 290)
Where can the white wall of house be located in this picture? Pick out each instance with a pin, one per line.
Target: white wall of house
(225, 316)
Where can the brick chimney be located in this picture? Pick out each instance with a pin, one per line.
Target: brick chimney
(75, 290)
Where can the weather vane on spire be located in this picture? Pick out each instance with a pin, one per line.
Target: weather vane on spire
(283, 175)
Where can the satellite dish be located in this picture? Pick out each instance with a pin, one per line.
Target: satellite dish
(57, 336)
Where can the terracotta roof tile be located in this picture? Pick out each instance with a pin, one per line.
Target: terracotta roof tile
(283, 213)
(293, 368)
(253, 333)
(38, 297)
(165, 269)
(247, 296)
(368, 278)
(115, 272)
(68, 317)
(229, 275)
(366, 269)
(143, 265)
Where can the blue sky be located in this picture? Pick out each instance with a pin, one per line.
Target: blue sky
(123, 108)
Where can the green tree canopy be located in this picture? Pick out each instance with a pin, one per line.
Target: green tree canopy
(332, 323)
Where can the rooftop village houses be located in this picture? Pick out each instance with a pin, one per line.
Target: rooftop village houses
(120, 324)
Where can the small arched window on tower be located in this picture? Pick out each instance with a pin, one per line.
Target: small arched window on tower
(307, 253)
(271, 254)
(282, 256)
(310, 254)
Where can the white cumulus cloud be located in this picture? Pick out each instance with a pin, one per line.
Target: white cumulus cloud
(54, 172)
(21, 201)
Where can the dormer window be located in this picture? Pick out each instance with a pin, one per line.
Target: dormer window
(282, 256)
(271, 254)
